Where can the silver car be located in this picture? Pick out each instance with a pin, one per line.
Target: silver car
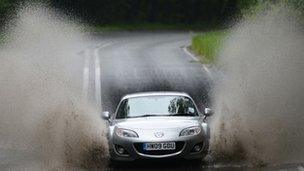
(157, 125)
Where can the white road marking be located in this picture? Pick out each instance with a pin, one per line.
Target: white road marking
(207, 70)
(97, 80)
(97, 75)
(190, 54)
(86, 71)
(300, 168)
(196, 59)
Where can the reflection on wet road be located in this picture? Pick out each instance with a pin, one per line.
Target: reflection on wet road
(147, 61)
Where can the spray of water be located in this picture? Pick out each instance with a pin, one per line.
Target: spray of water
(41, 108)
(259, 102)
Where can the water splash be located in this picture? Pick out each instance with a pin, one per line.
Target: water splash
(259, 102)
(41, 108)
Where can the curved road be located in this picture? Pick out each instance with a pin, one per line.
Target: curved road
(135, 62)
(120, 63)
(129, 62)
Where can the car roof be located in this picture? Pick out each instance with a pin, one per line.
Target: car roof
(155, 93)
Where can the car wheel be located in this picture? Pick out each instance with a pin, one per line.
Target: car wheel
(196, 163)
(117, 164)
(113, 163)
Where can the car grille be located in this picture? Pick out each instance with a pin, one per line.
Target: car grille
(179, 146)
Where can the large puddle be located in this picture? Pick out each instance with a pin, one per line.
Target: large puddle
(258, 103)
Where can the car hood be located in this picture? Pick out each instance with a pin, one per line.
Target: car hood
(158, 123)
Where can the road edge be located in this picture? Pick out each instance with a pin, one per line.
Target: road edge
(205, 67)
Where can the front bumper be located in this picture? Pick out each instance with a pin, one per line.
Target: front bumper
(184, 148)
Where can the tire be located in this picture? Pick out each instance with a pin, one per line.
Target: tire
(118, 164)
(114, 163)
(196, 163)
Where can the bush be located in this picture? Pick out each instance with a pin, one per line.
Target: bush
(207, 45)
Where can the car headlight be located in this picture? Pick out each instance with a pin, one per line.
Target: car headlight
(190, 131)
(126, 133)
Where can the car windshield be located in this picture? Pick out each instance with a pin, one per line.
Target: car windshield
(156, 106)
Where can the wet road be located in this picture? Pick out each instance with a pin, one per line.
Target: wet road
(148, 61)
(116, 64)
(137, 62)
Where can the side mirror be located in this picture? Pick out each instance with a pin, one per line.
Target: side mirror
(208, 112)
(105, 115)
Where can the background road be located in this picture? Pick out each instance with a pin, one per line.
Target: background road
(136, 62)
(115, 64)
(129, 62)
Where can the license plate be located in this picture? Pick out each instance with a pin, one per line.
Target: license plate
(159, 146)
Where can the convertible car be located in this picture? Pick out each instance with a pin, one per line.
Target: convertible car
(155, 125)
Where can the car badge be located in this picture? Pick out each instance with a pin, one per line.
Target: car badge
(159, 134)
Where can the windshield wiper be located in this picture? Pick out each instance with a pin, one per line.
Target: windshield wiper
(182, 114)
(154, 115)
(148, 115)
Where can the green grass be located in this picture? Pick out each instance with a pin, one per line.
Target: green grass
(207, 45)
(2, 37)
(151, 26)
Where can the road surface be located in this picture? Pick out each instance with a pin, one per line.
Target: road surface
(115, 64)
(130, 62)
(136, 62)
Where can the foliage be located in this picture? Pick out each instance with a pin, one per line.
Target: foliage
(5, 7)
(133, 12)
(1, 38)
(152, 26)
(207, 45)
(251, 7)
(150, 11)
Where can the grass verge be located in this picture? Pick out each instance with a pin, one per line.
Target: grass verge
(1, 38)
(152, 27)
(207, 45)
